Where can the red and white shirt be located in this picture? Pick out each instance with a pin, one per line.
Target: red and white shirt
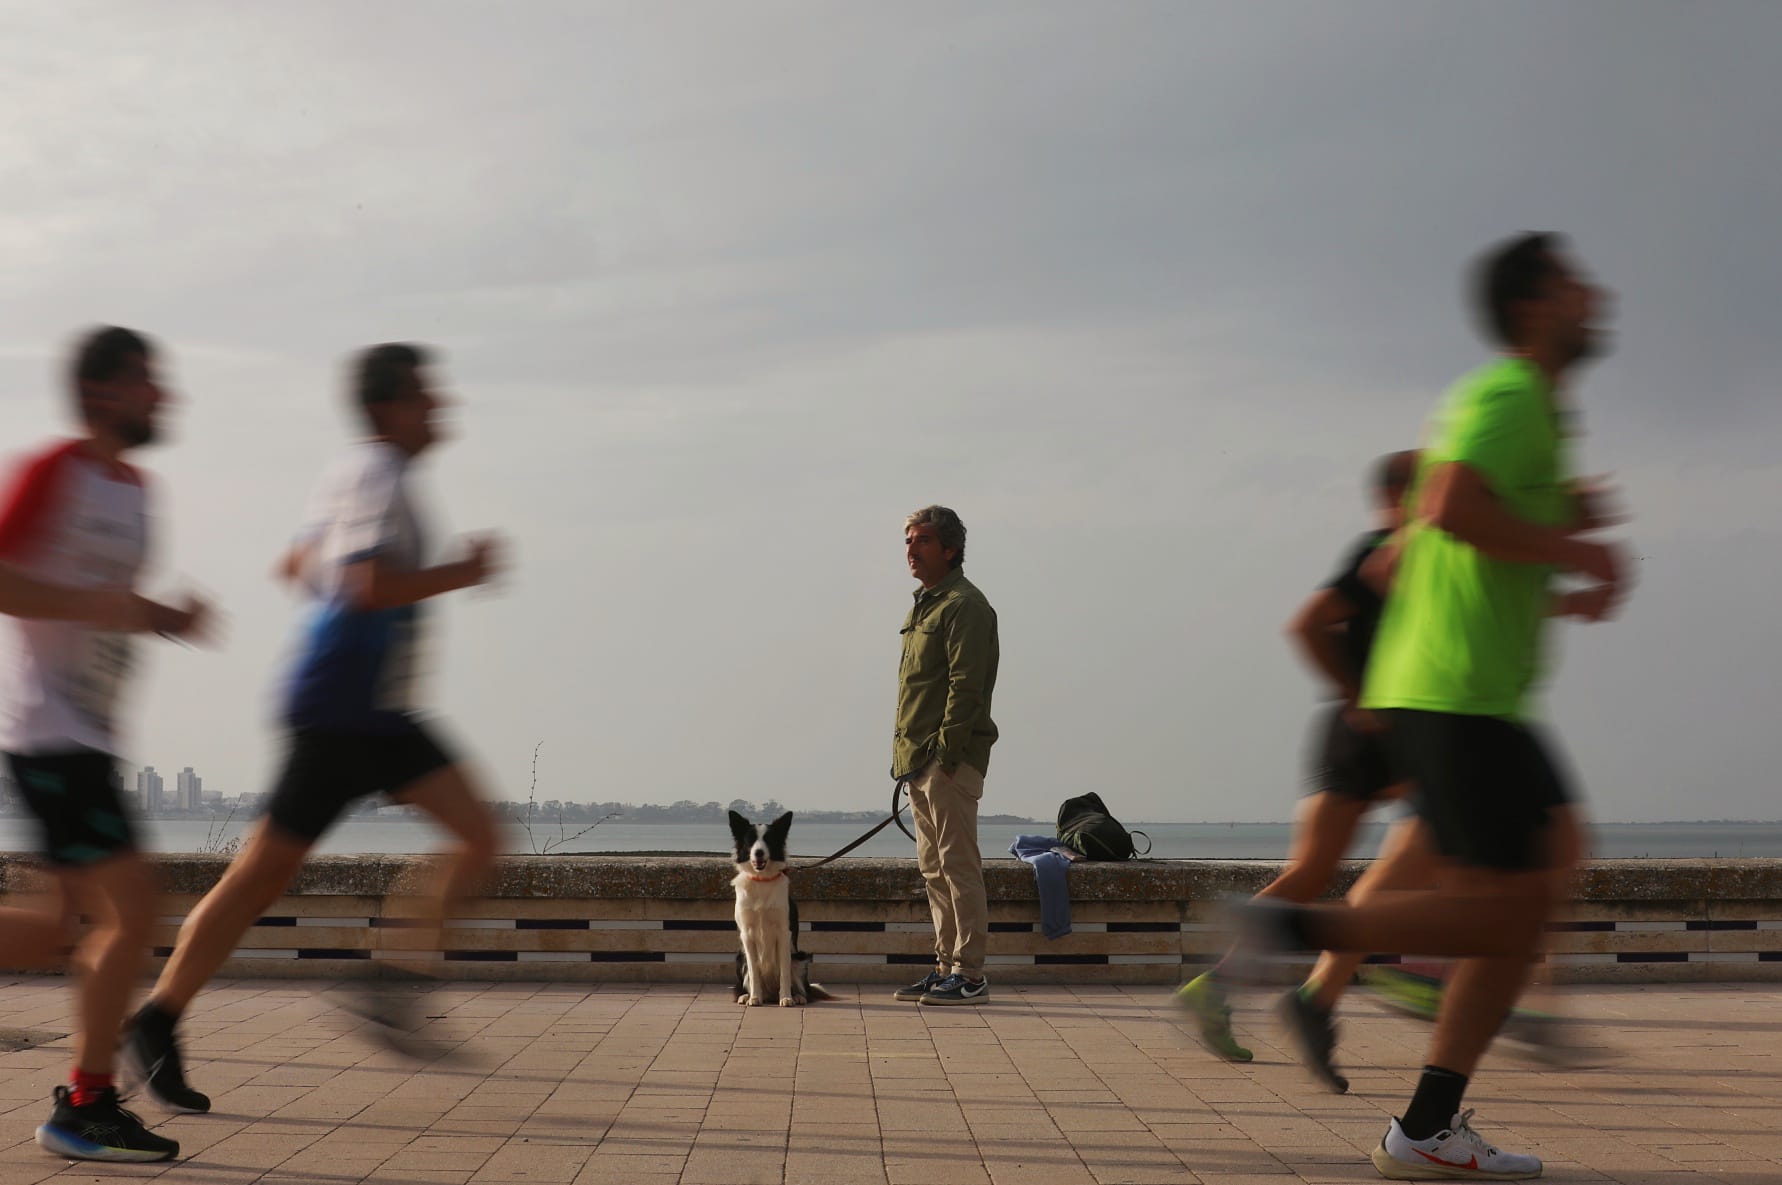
(71, 519)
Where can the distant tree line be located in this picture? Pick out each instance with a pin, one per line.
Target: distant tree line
(551, 810)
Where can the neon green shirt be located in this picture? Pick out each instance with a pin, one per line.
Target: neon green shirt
(1461, 633)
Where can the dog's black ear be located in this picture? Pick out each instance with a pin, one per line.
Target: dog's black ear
(780, 827)
(741, 829)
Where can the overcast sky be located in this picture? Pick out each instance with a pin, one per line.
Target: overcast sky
(726, 290)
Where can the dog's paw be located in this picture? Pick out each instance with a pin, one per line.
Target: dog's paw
(799, 1000)
(743, 998)
(790, 1001)
(755, 1001)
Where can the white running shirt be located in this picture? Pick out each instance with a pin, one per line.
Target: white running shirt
(74, 520)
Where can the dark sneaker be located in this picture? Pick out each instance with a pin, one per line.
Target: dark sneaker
(101, 1130)
(1315, 1037)
(956, 989)
(153, 1053)
(920, 988)
(1205, 1001)
(1552, 1040)
(394, 1012)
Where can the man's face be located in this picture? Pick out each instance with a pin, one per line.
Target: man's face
(410, 420)
(1572, 312)
(929, 561)
(128, 404)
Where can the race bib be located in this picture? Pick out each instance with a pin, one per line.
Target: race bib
(399, 675)
(97, 676)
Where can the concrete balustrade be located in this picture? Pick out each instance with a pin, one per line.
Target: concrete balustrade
(668, 918)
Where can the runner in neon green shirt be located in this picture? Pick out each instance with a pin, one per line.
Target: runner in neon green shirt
(1439, 650)
(1491, 520)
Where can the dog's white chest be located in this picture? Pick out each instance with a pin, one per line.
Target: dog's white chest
(760, 896)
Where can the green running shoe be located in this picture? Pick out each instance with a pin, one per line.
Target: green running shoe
(1405, 991)
(1205, 999)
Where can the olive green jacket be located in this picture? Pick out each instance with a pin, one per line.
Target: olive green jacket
(949, 670)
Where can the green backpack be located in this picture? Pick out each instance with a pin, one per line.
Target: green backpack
(1085, 824)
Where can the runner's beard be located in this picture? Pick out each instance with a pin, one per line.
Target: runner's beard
(1588, 343)
(136, 433)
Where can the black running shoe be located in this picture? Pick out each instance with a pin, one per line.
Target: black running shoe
(957, 989)
(394, 1012)
(153, 1053)
(1315, 1036)
(915, 991)
(101, 1130)
(1553, 1040)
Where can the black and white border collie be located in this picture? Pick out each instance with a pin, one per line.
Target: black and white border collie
(770, 965)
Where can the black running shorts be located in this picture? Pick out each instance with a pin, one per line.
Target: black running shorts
(326, 771)
(74, 796)
(1345, 762)
(1486, 787)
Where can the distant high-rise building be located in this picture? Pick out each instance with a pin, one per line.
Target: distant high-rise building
(126, 792)
(148, 790)
(189, 791)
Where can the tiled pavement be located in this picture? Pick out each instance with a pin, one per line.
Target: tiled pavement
(544, 1083)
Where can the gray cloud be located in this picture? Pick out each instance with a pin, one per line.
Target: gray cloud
(727, 290)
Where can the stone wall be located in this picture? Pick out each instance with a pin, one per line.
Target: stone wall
(866, 920)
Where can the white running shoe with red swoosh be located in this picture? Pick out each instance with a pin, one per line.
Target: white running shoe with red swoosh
(1457, 1154)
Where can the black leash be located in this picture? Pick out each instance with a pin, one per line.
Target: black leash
(896, 816)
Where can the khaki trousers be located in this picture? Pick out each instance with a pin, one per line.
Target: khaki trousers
(946, 811)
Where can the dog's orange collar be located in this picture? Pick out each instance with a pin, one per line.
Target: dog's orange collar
(764, 879)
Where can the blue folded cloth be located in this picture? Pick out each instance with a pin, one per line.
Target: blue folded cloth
(1050, 860)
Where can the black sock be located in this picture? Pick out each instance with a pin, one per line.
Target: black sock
(1435, 1104)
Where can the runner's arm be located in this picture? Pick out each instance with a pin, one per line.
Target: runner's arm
(373, 583)
(1381, 564)
(23, 596)
(1586, 604)
(293, 566)
(1456, 499)
(1314, 632)
(115, 608)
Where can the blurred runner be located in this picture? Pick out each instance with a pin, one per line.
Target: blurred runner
(354, 726)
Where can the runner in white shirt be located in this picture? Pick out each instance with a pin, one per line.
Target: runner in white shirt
(349, 709)
(76, 518)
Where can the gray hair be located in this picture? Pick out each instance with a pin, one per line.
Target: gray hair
(946, 523)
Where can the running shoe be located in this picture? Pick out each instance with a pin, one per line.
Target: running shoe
(100, 1130)
(1552, 1040)
(920, 988)
(394, 1012)
(957, 989)
(1457, 1154)
(151, 1049)
(1314, 1035)
(1404, 991)
(1204, 999)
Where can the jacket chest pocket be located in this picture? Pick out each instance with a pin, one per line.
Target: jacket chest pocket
(924, 648)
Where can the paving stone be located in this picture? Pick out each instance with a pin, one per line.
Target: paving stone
(658, 1084)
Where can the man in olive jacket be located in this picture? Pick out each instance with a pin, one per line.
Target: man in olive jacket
(942, 748)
